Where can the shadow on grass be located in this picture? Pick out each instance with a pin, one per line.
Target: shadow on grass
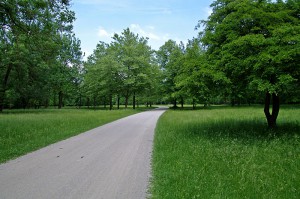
(215, 107)
(242, 130)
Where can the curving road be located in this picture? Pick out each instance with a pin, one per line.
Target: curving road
(111, 161)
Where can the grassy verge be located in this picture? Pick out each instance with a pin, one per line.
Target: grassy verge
(25, 131)
(226, 153)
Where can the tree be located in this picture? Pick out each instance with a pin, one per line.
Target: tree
(33, 34)
(196, 78)
(255, 43)
(170, 58)
(134, 56)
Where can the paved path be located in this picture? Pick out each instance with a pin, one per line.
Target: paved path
(112, 161)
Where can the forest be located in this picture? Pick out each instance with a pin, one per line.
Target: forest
(247, 52)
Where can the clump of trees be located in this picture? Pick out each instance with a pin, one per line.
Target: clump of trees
(246, 49)
(40, 56)
(122, 69)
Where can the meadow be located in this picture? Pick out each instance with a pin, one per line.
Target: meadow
(23, 131)
(224, 152)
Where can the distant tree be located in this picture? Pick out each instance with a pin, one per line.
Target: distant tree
(134, 56)
(170, 60)
(196, 78)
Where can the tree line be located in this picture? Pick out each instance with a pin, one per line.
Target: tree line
(247, 52)
(41, 60)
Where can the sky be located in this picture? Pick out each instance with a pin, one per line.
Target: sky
(159, 20)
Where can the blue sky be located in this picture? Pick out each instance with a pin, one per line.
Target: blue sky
(159, 20)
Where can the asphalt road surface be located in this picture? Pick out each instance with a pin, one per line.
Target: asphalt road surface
(111, 161)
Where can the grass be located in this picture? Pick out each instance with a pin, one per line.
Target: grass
(226, 152)
(23, 131)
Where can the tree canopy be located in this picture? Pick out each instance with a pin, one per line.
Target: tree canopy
(39, 52)
(122, 68)
(256, 45)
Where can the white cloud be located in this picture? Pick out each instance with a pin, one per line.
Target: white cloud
(145, 32)
(103, 33)
(156, 39)
(208, 11)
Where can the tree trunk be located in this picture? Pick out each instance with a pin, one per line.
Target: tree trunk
(118, 102)
(133, 100)
(2, 95)
(54, 99)
(4, 84)
(94, 102)
(175, 103)
(104, 101)
(126, 98)
(88, 103)
(110, 103)
(60, 99)
(271, 118)
(194, 104)
(182, 102)
(80, 100)
(232, 102)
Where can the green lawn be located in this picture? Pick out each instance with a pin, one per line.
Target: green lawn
(225, 152)
(25, 131)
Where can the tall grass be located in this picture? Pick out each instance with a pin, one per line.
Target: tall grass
(226, 153)
(25, 131)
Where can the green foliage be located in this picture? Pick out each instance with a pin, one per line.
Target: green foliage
(224, 152)
(122, 68)
(170, 60)
(255, 43)
(39, 51)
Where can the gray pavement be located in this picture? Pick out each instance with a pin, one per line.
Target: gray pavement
(111, 161)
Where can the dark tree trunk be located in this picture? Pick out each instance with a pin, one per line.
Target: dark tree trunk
(110, 103)
(182, 102)
(54, 99)
(94, 103)
(271, 118)
(232, 102)
(60, 99)
(4, 84)
(2, 95)
(133, 100)
(126, 100)
(47, 103)
(118, 102)
(88, 103)
(194, 104)
(104, 102)
(175, 103)
(80, 100)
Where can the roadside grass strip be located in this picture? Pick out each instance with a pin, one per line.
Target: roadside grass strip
(25, 131)
(224, 152)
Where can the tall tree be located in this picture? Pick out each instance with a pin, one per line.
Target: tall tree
(170, 57)
(255, 43)
(134, 55)
(196, 78)
(32, 35)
